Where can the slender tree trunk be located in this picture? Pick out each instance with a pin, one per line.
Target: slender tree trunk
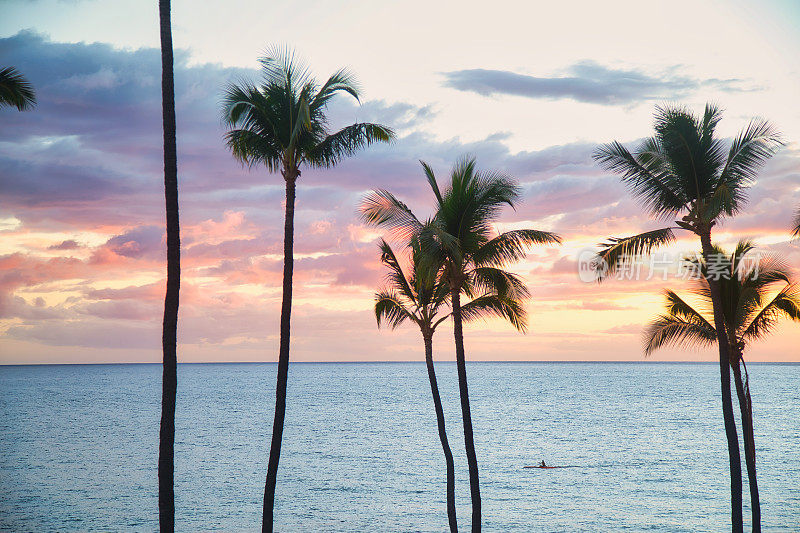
(448, 454)
(746, 407)
(469, 442)
(290, 176)
(734, 458)
(169, 337)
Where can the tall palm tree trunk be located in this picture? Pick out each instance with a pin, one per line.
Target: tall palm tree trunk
(734, 458)
(746, 407)
(169, 337)
(290, 176)
(448, 454)
(469, 442)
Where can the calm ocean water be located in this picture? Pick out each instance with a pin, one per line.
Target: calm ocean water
(644, 443)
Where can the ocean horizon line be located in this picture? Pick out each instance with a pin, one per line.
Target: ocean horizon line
(410, 361)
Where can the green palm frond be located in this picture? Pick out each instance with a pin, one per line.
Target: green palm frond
(341, 81)
(383, 209)
(431, 177)
(281, 66)
(396, 277)
(389, 308)
(751, 148)
(16, 90)
(786, 303)
(252, 149)
(646, 175)
(456, 249)
(492, 305)
(512, 246)
(346, 142)
(678, 308)
(617, 252)
(670, 330)
(497, 281)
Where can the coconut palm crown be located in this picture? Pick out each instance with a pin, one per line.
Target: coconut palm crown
(461, 239)
(281, 122)
(752, 306)
(419, 296)
(685, 171)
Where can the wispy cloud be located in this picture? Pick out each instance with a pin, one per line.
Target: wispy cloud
(588, 82)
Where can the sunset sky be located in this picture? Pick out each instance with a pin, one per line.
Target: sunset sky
(528, 88)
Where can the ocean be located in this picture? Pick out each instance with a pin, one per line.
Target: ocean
(644, 443)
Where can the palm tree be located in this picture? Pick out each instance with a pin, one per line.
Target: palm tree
(169, 338)
(15, 90)
(418, 297)
(749, 314)
(281, 123)
(683, 168)
(461, 240)
(796, 223)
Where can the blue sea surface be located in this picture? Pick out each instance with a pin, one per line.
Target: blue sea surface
(644, 443)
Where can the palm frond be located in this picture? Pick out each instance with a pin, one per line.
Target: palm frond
(389, 309)
(618, 252)
(252, 149)
(346, 142)
(751, 148)
(396, 277)
(796, 224)
(341, 81)
(281, 66)
(670, 330)
(646, 175)
(383, 209)
(490, 305)
(432, 181)
(512, 246)
(16, 90)
(784, 304)
(688, 143)
(678, 308)
(498, 281)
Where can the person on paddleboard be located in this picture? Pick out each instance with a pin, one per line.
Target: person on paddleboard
(542, 465)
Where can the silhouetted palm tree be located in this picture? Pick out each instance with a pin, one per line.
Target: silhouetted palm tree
(281, 123)
(751, 308)
(461, 239)
(796, 223)
(685, 169)
(169, 338)
(418, 297)
(15, 90)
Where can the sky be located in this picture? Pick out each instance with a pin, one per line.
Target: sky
(529, 89)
